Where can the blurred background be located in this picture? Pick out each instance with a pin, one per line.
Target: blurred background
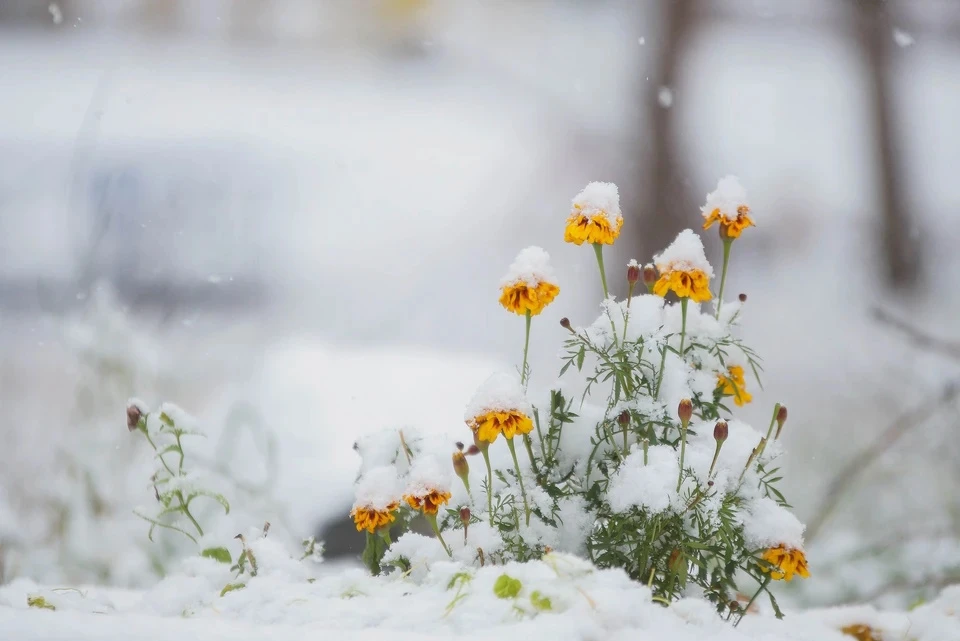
(290, 217)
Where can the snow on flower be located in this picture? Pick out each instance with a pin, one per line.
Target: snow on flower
(595, 216)
(727, 205)
(684, 268)
(428, 485)
(499, 406)
(377, 497)
(530, 284)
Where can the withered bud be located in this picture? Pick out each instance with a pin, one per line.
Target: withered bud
(675, 560)
(465, 516)
(781, 419)
(565, 322)
(743, 298)
(685, 411)
(624, 418)
(721, 431)
(133, 417)
(473, 450)
(460, 465)
(649, 275)
(709, 483)
(459, 445)
(633, 273)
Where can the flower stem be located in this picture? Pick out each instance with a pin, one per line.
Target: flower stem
(529, 447)
(432, 519)
(663, 362)
(683, 451)
(598, 248)
(727, 243)
(526, 348)
(486, 459)
(716, 454)
(773, 419)
(763, 585)
(523, 492)
(683, 326)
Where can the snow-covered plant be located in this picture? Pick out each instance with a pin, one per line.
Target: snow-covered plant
(634, 458)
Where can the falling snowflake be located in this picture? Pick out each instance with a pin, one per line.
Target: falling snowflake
(902, 38)
(665, 97)
(55, 12)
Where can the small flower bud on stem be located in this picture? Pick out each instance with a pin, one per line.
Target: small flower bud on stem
(465, 519)
(685, 412)
(753, 456)
(624, 420)
(462, 469)
(720, 432)
(133, 417)
(773, 419)
(565, 323)
(781, 419)
(743, 298)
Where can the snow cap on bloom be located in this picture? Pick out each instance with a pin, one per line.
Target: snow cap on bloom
(428, 485)
(530, 284)
(727, 205)
(595, 216)
(766, 524)
(684, 268)
(377, 497)
(499, 406)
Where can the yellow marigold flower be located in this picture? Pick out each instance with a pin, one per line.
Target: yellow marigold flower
(684, 269)
(428, 501)
(727, 205)
(371, 519)
(529, 285)
(787, 561)
(734, 385)
(595, 217)
(507, 422)
(861, 632)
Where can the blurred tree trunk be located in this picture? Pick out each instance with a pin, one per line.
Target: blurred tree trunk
(160, 15)
(669, 202)
(900, 256)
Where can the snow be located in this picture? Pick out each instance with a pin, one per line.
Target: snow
(55, 12)
(766, 524)
(531, 267)
(576, 601)
(728, 197)
(378, 488)
(501, 392)
(665, 97)
(652, 486)
(428, 474)
(599, 200)
(685, 253)
(902, 38)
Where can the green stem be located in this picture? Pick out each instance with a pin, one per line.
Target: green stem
(536, 422)
(773, 419)
(683, 326)
(486, 459)
(598, 248)
(683, 451)
(432, 519)
(727, 243)
(528, 446)
(763, 585)
(523, 492)
(663, 362)
(526, 348)
(178, 493)
(716, 454)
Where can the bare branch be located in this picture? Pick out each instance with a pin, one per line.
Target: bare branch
(917, 336)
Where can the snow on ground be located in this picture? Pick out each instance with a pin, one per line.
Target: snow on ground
(558, 597)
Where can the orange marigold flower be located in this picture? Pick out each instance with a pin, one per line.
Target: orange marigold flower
(786, 562)
(727, 205)
(428, 500)
(529, 284)
(371, 519)
(595, 217)
(734, 385)
(861, 632)
(507, 422)
(684, 269)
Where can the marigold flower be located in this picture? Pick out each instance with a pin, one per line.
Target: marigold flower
(371, 519)
(861, 632)
(684, 269)
(595, 217)
(787, 561)
(727, 205)
(427, 500)
(507, 422)
(529, 284)
(734, 385)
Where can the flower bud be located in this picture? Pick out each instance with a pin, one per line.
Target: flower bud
(649, 275)
(624, 418)
(460, 465)
(721, 431)
(633, 272)
(743, 298)
(459, 445)
(473, 450)
(709, 483)
(675, 560)
(465, 516)
(565, 322)
(685, 411)
(781, 419)
(133, 417)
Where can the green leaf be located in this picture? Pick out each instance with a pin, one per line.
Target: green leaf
(506, 587)
(230, 587)
(540, 602)
(373, 553)
(218, 554)
(459, 577)
(40, 603)
(166, 419)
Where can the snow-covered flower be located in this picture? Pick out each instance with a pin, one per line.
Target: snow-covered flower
(427, 499)
(727, 205)
(371, 519)
(529, 285)
(733, 384)
(377, 499)
(787, 561)
(684, 269)
(595, 217)
(499, 406)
